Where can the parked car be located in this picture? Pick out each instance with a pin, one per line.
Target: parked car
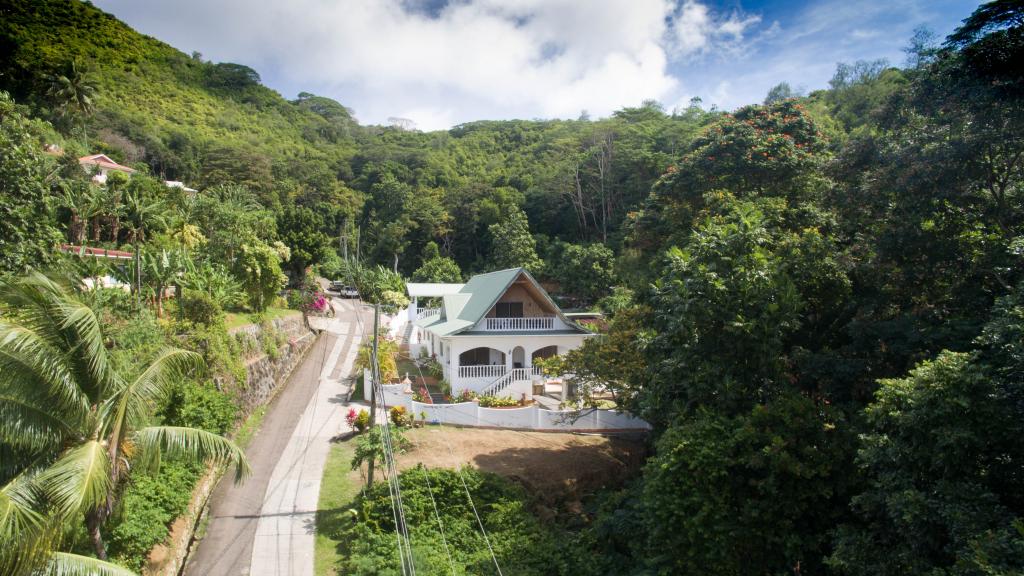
(343, 290)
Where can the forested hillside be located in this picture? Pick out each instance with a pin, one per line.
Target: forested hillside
(818, 301)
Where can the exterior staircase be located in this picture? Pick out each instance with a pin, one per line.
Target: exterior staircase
(511, 377)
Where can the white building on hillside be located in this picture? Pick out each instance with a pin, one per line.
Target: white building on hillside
(487, 333)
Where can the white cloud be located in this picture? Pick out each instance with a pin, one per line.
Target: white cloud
(697, 30)
(471, 59)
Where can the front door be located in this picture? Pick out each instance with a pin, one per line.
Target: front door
(518, 357)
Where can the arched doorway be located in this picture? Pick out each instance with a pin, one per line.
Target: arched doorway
(518, 357)
(482, 356)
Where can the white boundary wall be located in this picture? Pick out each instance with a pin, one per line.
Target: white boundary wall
(528, 418)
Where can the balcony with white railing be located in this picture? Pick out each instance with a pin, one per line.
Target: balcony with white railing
(428, 313)
(482, 371)
(516, 324)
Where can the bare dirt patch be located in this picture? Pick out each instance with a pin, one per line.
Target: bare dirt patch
(553, 467)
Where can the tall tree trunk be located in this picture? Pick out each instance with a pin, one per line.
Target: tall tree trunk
(93, 521)
(96, 227)
(74, 228)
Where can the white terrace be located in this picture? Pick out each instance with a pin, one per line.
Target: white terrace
(488, 332)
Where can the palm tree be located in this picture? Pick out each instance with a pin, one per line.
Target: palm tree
(96, 208)
(75, 196)
(30, 540)
(140, 215)
(73, 424)
(114, 184)
(73, 90)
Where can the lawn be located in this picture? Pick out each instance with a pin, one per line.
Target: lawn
(238, 319)
(338, 489)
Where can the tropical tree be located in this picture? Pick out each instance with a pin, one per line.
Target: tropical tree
(258, 266)
(73, 91)
(512, 245)
(301, 230)
(26, 233)
(141, 214)
(216, 282)
(163, 269)
(71, 426)
(436, 268)
(370, 447)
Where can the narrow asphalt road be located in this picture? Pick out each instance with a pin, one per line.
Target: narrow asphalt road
(275, 507)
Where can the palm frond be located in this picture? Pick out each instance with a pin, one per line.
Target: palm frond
(29, 425)
(133, 403)
(79, 480)
(65, 564)
(18, 515)
(64, 324)
(193, 444)
(87, 344)
(35, 372)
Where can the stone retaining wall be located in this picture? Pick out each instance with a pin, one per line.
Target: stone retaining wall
(263, 374)
(264, 378)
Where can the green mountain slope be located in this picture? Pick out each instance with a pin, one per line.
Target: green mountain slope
(179, 109)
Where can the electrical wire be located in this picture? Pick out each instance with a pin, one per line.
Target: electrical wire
(465, 487)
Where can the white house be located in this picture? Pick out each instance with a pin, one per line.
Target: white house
(100, 165)
(488, 332)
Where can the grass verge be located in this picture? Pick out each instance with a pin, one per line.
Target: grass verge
(236, 319)
(338, 488)
(249, 428)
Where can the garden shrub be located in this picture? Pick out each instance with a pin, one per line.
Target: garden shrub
(201, 406)
(200, 308)
(215, 345)
(148, 505)
(362, 421)
(137, 339)
(400, 416)
(497, 401)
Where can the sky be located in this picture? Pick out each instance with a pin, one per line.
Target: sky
(440, 63)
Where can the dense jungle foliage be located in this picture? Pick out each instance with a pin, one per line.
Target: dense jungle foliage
(818, 302)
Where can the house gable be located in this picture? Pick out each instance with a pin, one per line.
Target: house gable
(484, 296)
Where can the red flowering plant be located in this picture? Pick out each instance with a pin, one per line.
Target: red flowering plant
(309, 298)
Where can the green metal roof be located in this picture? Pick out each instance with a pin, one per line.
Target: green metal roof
(469, 305)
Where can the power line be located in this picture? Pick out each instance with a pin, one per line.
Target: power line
(394, 488)
(465, 487)
(393, 480)
(437, 515)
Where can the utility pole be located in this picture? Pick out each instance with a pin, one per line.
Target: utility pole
(343, 239)
(374, 379)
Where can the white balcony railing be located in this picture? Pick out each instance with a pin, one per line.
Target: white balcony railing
(527, 323)
(428, 313)
(482, 371)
